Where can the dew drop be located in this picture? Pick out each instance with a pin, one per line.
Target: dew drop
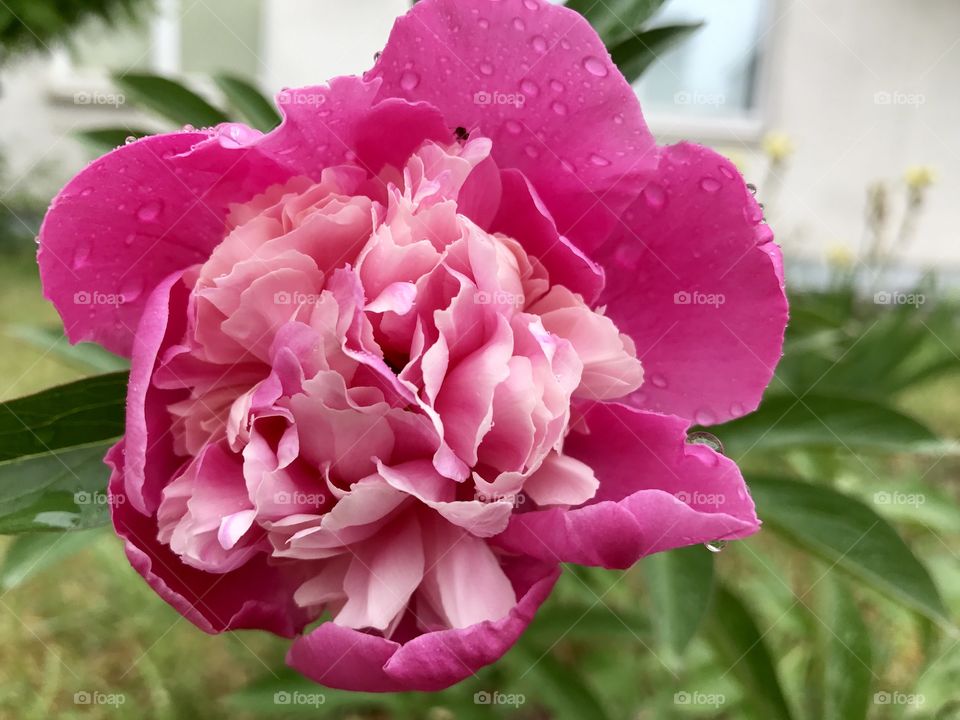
(595, 66)
(513, 127)
(519, 24)
(81, 255)
(531, 152)
(704, 416)
(715, 546)
(149, 212)
(709, 184)
(557, 86)
(483, 23)
(188, 128)
(700, 437)
(530, 4)
(529, 87)
(486, 68)
(658, 380)
(727, 172)
(753, 213)
(132, 290)
(129, 139)
(87, 191)
(539, 43)
(409, 80)
(559, 108)
(655, 196)
(737, 410)
(618, 119)
(599, 160)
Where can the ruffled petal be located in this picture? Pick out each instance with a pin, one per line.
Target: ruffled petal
(695, 280)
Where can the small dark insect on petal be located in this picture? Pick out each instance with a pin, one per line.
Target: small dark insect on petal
(462, 134)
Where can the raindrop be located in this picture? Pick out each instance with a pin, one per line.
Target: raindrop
(618, 119)
(483, 23)
(188, 128)
(130, 139)
(530, 4)
(531, 152)
(132, 290)
(513, 127)
(737, 410)
(715, 546)
(486, 68)
(376, 55)
(519, 24)
(409, 80)
(529, 87)
(595, 66)
(129, 240)
(704, 417)
(727, 172)
(710, 184)
(655, 196)
(599, 160)
(149, 212)
(704, 438)
(658, 380)
(86, 192)
(752, 188)
(81, 255)
(559, 108)
(557, 86)
(539, 43)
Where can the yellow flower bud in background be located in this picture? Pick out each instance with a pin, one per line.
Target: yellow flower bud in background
(919, 177)
(840, 255)
(778, 146)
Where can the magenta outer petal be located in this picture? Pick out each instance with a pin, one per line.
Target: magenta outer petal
(131, 218)
(535, 78)
(694, 277)
(255, 596)
(656, 493)
(344, 658)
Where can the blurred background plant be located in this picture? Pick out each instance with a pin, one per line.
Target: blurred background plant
(844, 607)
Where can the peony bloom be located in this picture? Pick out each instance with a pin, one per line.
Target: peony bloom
(442, 330)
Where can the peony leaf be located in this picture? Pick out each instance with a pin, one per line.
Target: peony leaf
(169, 99)
(849, 657)
(87, 356)
(28, 555)
(847, 534)
(62, 490)
(823, 420)
(79, 413)
(638, 50)
(680, 583)
(614, 19)
(742, 652)
(103, 140)
(248, 102)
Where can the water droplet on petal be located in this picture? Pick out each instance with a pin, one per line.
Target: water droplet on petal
(710, 184)
(81, 255)
(753, 213)
(129, 239)
(704, 416)
(129, 139)
(486, 68)
(188, 128)
(529, 87)
(618, 119)
(531, 151)
(595, 66)
(531, 4)
(559, 108)
(715, 546)
(737, 410)
(701, 437)
(727, 172)
(599, 160)
(557, 86)
(519, 24)
(483, 23)
(409, 80)
(149, 212)
(539, 43)
(655, 196)
(87, 191)
(658, 380)
(513, 127)
(132, 290)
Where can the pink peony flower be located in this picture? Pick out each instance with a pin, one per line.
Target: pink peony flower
(442, 330)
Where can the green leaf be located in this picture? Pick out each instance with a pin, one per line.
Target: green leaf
(64, 490)
(847, 534)
(78, 413)
(28, 555)
(849, 656)
(742, 652)
(87, 356)
(821, 420)
(637, 51)
(169, 99)
(680, 583)
(613, 19)
(248, 102)
(103, 140)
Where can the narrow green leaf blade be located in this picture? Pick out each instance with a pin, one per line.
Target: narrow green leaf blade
(248, 102)
(612, 19)
(849, 657)
(635, 52)
(742, 652)
(78, 413)
(847, 534)
(29, 555)
(65, 490)
(681, 583)
(169, 99)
